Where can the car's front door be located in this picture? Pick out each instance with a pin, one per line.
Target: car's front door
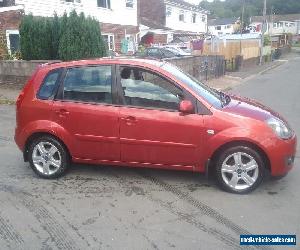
(85, 109)
(152, 130)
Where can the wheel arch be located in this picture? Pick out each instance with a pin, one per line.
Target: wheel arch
(36, 135)
(252, 145)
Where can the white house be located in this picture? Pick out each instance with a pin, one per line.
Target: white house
(162, 21)
(184, 16)
(223, 26)
(117, 18)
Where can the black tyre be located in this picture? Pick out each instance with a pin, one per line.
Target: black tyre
(48, 157)
(239, 169)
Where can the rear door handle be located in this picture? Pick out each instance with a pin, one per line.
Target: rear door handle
(129, 119)
(62, 112)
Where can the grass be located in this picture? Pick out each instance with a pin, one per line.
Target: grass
(7, 102)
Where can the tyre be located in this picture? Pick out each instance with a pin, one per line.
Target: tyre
(239, 169)
(48, 157)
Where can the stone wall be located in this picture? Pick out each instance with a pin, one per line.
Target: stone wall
(17, 72)
(201, 67)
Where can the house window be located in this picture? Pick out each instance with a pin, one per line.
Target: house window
(203, 18)
(109, 41)
(275, 25)
(218, 27)
(194, 17)
(13, 41)
(181, 16)
(228, 26)
(129, 3)
(104, 3)
(169, 11)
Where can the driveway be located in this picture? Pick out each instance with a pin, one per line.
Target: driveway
(98, 207)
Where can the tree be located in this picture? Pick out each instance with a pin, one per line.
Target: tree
(67, 38)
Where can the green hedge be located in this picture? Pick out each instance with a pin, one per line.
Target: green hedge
(65, 38)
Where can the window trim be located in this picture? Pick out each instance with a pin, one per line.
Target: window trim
(131, 2)
(187, 95)
(108, 4)
(11, 32)
(60, 91)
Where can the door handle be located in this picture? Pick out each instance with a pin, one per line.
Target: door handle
(129, 119)
(62, 112)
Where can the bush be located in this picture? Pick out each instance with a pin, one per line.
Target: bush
(67, 38)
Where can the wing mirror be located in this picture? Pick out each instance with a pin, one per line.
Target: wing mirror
(186, 107)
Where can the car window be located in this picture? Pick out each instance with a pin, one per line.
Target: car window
(146, 89)
(88, 84)
(154, 52)
(167, 53)
(49, 84)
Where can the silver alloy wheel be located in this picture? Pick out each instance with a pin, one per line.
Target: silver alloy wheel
(46, 158)
(239, 171)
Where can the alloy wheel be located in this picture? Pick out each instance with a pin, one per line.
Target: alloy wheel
(239, 171)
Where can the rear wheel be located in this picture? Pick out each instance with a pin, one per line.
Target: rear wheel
(239, 169)
(48, 157)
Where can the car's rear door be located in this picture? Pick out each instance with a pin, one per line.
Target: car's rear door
(85, 110)
(152, 130)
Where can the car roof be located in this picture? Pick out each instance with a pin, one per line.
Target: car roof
(104, 61)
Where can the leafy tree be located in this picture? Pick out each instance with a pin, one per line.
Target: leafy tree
(67, 38)
(233, 8)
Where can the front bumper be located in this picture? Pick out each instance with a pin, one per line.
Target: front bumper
(281, 154)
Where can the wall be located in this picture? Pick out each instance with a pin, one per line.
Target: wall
(173, 22)
(118, 14)
(17, 72)
(224, 29)
(153, 11)
(202, 67)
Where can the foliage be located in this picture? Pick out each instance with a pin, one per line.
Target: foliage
(267, 40)
(67, 38)
(233, 8)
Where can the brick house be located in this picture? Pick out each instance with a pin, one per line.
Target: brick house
(117, 18)
(168, 19)
(10, 18)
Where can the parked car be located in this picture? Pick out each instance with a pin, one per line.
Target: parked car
(178, 50)
(147, 113)
(157, 52)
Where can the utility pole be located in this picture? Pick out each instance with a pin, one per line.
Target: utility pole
(242, 26)
(263, 30)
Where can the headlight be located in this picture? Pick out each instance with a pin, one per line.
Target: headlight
(281, 129)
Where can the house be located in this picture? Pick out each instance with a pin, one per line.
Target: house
(117, 18)
(165, 20)
(281, 28)
(223, 26)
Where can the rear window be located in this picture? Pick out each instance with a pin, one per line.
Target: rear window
(49, 84)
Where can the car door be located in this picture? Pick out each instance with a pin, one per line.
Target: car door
(85, 110)
(152, 130)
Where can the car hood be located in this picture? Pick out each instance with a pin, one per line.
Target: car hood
(250, 108)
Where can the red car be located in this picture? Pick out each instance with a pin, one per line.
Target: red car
(147, 113)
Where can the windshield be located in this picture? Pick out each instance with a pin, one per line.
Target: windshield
(211, 95)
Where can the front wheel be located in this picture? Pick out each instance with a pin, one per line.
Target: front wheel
(239, 169)
(48, 157)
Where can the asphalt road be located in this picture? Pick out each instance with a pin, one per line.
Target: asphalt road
(96, 207)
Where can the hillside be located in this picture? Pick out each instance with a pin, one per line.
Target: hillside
(233, 8)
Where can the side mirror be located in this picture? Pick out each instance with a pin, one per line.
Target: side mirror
(186, 107)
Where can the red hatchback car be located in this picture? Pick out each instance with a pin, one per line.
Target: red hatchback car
(147, 113)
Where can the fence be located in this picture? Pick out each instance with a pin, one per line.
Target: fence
(231, 48)
(201, 67)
